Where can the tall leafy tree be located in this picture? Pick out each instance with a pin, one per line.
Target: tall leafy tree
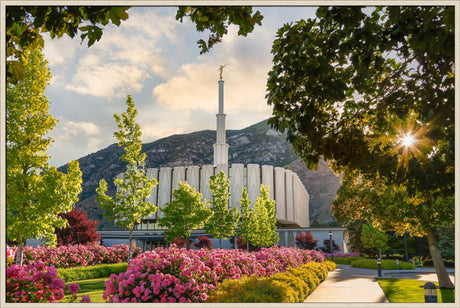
(373, 238)
(36, 191)
(186, 212)
(373, 93)
(246, 223)
(263, 223)
(78, 230)
(129, 206)
(223, 219)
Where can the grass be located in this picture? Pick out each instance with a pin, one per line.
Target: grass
(411, 291)
(92, 287)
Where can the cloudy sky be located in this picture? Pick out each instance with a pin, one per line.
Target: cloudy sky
(156, 60)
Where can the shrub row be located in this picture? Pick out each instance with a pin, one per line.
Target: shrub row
(180, 275)
(344, 260)
(386, 264)
(91, 272)
(77, 255)
(292, 286)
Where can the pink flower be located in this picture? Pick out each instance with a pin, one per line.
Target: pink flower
(73, 288)
(85, 299)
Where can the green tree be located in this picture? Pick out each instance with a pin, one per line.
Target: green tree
(36, 191)
(129, 206)
(223, 219)
(374, 93)
(374, 238)
(246, 224)
(186, 212)
(263, 220)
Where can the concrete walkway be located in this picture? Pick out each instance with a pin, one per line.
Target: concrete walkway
(354, 285)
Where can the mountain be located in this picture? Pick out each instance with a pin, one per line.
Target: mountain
(258, 144)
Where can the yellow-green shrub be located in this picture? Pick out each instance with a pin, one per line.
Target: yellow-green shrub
(291, 286)
(252, 290)
(331, 266)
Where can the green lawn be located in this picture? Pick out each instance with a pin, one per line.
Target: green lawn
(411, 291)
(92, 287)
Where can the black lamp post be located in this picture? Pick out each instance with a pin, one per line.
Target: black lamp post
(331, 246)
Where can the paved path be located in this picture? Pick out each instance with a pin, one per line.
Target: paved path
(350, 284)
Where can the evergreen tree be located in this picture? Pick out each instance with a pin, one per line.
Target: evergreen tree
(185, 213)
(223, 218)
(35, 190)
(128, 207)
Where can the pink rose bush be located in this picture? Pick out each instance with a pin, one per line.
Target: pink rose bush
(35, 283)
(76, 255)
(179, 275)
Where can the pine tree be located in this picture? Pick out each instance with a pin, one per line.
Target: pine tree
(128, 207)
(223, 219)
(185, 213)
(36, 191)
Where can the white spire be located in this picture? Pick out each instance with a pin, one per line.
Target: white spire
(221, 147)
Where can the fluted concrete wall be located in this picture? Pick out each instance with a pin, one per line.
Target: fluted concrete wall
(286, 188)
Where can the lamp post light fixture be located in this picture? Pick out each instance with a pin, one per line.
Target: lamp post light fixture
(331, 246)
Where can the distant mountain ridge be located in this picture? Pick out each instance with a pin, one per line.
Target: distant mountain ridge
(257, 144)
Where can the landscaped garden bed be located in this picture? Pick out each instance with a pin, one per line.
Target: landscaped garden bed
(167, 275)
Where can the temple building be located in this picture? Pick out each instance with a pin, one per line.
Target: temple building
(285, 186)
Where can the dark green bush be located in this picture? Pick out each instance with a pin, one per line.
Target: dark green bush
(90, 272)
(386, 264)
(344, 260)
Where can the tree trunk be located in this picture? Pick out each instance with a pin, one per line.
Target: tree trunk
(130, 244)
(220, 243)
(438, 263)
(19, 252)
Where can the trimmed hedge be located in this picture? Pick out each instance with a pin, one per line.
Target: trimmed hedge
(292, 286)
(386, 264)
(91, 272)
(344, 260)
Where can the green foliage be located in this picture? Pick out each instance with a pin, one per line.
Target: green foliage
(263, 226)
(291, 286)
(446, 235)
(36, 191)
(184, 213)
(25, 25)
(411, 291)
(246, 224)
(374, 238)
(367, 81)
(90, 272)
(344, 260)
(217, 19)
(129, 206)
(354, 227)
(221, 224)
(386, 264)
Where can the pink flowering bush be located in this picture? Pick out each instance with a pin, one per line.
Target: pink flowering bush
(35, 283)
(180, 275)
(77, 255)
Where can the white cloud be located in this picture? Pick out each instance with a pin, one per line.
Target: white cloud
(67, 129)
